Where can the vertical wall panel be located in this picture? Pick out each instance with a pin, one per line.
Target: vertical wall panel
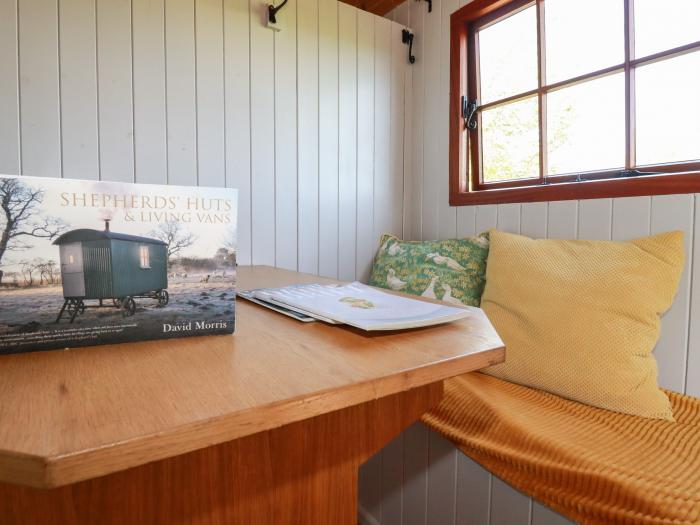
(466, 221)
(416, 143)
(433, 133)
(180, 92)
(39, 86)
(542, 515)
(403, 67)
(382, 128)
(675, 212)
(307, 64)
(237, 102)
(595, 219)
(286, 141)
(370, 489)
(486, 218)
(328, 137)
(114, 75)
(366, 242)
(631, 218)
(397, 66)
(562, 220)
(150, 120)
(534, 219)
(447, 217)
(692, 382)
(262, 130)
(9, 90)
(77, 54)
(442, 477)
(209, 45)
(508, 218)
(347, 141)
(508, 506)
(473, 492)
(415, 475)
(392, 481)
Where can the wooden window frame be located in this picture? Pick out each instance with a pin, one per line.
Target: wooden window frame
(682, 177)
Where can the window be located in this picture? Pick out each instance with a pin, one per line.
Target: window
(145, 255)
(561, 99)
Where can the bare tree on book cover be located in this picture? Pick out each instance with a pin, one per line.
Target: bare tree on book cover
(172, 234)
(19, 223)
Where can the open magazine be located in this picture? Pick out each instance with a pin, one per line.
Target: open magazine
(357, 305)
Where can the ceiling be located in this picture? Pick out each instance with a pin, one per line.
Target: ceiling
(378, 7)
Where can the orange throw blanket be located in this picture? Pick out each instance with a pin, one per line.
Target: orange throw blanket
(589, 464)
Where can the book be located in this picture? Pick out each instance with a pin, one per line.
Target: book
(276, 296)
(361, 306)
(89, 262)
(250, 296)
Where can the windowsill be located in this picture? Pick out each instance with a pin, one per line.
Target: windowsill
(676, 183)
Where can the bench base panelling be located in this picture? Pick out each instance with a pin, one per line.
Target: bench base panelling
(421, 478)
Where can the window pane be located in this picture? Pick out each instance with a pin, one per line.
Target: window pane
(668, 110)
(508, 56)
(510, 141)
(659, 26)
(586, 126)
(571, 48)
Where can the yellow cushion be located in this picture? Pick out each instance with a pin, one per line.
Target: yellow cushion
(580, 318)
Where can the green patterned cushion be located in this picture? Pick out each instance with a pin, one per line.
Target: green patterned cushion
(453, 270)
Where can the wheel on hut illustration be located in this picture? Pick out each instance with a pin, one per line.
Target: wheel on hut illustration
(128, 306)
(163, 298)
(76, 307)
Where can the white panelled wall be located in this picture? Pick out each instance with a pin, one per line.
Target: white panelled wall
(420, 478)
(308, 122)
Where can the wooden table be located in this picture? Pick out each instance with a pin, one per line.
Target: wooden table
(269, 425)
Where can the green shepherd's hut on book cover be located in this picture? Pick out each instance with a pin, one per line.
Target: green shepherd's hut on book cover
(87, 262)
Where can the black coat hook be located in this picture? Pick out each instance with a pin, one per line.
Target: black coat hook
(407, 38)
(430, 5)
(272, 11)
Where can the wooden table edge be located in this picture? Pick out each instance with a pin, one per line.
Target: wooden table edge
(54, 471)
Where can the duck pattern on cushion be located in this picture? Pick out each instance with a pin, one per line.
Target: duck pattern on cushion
(453, 270)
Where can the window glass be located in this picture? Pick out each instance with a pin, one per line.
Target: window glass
(668, 110)
(586, 126)
(572, 48)
(145, 257)
(510, 141)
(659, 26)
(508, 56)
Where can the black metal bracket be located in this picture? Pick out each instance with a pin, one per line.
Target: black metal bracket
(272, 11)
(407, 38)
(637, 173)
(469, 113)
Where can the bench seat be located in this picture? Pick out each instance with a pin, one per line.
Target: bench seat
(591, 465)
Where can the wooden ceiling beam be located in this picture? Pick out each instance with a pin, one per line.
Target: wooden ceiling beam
(378, 7)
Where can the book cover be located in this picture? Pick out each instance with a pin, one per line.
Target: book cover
(88, 262)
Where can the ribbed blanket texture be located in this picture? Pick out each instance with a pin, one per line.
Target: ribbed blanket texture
(591, 465)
